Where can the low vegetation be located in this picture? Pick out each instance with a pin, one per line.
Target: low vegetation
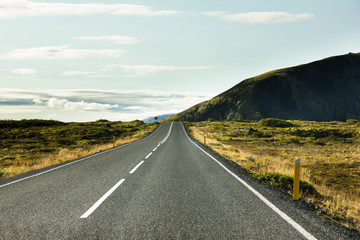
(329, 152)
(32, 144)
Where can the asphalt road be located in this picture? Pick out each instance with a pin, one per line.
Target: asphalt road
(162, 187)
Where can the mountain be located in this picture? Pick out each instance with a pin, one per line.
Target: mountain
(157, 118)
(325, 90)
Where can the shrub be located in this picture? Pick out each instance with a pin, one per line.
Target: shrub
(352, 122)
(322, 133)
(65, 141)
(249, 158)
(258, 134)
(294, 140)
(242, 120)
(102, 121)
(274, 122)
(255, 133)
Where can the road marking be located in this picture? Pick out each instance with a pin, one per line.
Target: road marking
(38, 174)
(294, 224)
(79, 160)
(167, 136)
(148, 155)
(102, 199)
(154, 149)
(134, 169)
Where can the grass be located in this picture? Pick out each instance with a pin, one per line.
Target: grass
(329, 152)
(33, 144)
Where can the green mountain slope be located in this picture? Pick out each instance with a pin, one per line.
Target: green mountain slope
(325, 90)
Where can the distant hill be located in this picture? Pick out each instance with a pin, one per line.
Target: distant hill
(157, 118)
(325, 90)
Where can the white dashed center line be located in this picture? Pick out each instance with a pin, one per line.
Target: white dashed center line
(100, 201)
(108, 193)
(134, 169)
(148, 155)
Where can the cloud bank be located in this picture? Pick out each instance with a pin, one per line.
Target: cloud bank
(76, 73)
(59, 52)
(260, 17)
(69, 105)
(24, 8)
(88, 104)
(24, 71)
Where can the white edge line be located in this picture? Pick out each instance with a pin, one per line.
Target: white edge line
(102, 199)
(154, 149)
(52, 169)
(148, 155)
(294, 224)
(134, 169)
(79, 160)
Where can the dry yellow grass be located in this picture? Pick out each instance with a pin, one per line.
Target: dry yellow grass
(334, 169)
(65, 154)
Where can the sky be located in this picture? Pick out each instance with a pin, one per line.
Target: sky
(85, 60)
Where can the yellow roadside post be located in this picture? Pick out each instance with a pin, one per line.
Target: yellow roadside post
(296, 188)
(204, 140)
(114, 139)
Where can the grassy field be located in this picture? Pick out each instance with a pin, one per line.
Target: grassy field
(329, 152)
(33, 144)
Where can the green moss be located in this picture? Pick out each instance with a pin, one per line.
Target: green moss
(66, 141)
(274, 122)
(26, 141)
(29, 123)
(352, 122)
(323, 133)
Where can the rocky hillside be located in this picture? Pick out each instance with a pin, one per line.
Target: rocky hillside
(325, 90)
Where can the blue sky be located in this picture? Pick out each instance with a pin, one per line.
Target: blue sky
(122, 60)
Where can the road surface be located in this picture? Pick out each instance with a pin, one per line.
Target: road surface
(162, 187)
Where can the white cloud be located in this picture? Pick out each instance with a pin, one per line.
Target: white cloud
(260, 17)
(134, 108)
(82, 105)
(25, 8)
(88, 104)
(59, 52)
(24, 71)
(38, 101)
(143, 70)
(76, 73)
(114, 39)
